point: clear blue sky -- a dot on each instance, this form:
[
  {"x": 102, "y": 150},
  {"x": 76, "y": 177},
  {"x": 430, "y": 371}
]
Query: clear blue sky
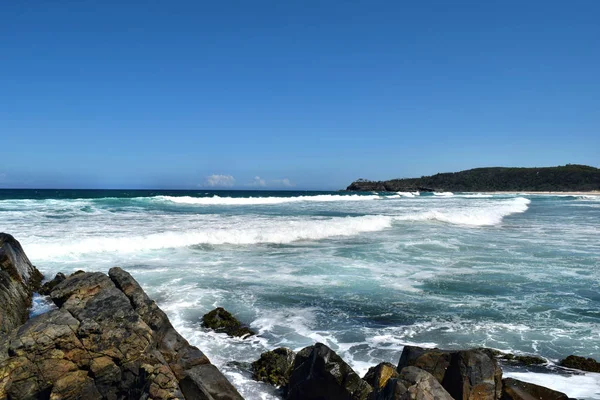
[{"x": 187, "y": 94}]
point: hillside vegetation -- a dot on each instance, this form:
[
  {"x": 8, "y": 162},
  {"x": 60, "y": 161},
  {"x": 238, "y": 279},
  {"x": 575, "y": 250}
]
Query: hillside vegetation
[{"x": 570, "y": 177}]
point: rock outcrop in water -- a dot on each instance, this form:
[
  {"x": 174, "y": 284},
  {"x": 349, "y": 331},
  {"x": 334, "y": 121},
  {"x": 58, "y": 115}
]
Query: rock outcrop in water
[
  {"x": 569, "y": 177},
  {"x": 222, "y": 321},
  {"x": 582, "y": 363},
  {"x": 422, "y": 374},
  {"x": 274, "y": 367},
  {"x": 107, "y": 339}
]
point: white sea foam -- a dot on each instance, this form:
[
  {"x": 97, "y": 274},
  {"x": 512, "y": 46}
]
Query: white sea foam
[
  {"x": 267, "y": 231},
  {"x": 578, "y": 386},
  {"x": 444, "y": 194},
  {"x": 247, "y": 201},
  {"x": 490, "y": 214}
]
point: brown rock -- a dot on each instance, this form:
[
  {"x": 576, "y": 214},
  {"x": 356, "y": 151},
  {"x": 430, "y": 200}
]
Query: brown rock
[
  {"x": 465, "y": 374},
  {"x": 514, "y": 389},
  {"x": 18, "y": 280},
  {"x": 383, "y": 378},
  {"x": 421, "y": 385},
  {"x": 106, "y": 340}
]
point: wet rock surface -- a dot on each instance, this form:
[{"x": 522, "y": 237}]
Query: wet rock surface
[
  {"x": 222, "y": 321},
  {"x": 582, "y": 363},
  {"x": 274, "y": 367}
]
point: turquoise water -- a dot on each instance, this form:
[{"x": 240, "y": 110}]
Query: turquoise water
[{"x": 364, "y": 273}]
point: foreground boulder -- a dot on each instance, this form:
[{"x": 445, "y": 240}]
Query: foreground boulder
[
  {"x": 514, "y": 389},
  {"x": 274, "y": 367},
  {"x": 319, "y": 373},
  {"x": 18, "y": 280},
  {"x": 222, "y": 321},
  {"x": 378, "y": 377},
  {"x": 421, "y": 385},
  {"x": 465, "y": 374},
  {"x": 107, "y": 340},
  {"x": 582, "y": 363}
]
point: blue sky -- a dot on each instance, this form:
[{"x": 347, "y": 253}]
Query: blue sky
[{"x": 301, "y": 94}]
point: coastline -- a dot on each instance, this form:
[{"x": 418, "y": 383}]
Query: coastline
[{"x": 529, "y": 192}]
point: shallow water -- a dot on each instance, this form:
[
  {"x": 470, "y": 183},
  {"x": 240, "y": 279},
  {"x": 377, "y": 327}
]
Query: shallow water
[{"x": 363, "y": 273}]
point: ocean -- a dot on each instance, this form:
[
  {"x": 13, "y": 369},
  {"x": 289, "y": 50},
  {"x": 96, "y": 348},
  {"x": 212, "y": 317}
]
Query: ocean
[{"x": 364, "y": 273}]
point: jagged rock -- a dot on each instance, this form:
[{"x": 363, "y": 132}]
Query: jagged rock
[
  {"x": 378, "y": 377},
  {"x": 319, "y": 373},
  {"x": 434, "y": 361},
  {"x": 514, "y": 389},
  {"x": 274, "y": 367},
  {"x": 465, "y": 374},
  {"x": 221, "y": 320},
  {"x": 205, "y": 382},
  {"x": 50, "y": 285},
  {"x": 107, "y": 340},
  {"x": 18, "y": 280},
  {"x": 421, "y": 385},
  {"x": 582, "y": 363}
]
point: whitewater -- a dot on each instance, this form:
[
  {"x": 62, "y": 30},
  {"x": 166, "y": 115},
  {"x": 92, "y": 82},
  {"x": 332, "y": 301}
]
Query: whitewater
[{"x": 365, "y": 273}]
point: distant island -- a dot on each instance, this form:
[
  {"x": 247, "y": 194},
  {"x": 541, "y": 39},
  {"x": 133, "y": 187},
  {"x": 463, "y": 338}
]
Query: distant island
[{"x": 567, "y": 178}]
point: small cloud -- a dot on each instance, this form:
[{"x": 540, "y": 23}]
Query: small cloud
[
  {"x": 283, "y": 182},
  {"x": 258, "y": 182},
  {"x": 219, "y": 181},
  {"x": 3, "y": 176}
]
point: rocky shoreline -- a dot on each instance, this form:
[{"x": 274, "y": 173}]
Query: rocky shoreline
[{"x": 106, "y": 339}]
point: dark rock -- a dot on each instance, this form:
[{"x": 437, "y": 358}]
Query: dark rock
[
  {"x": 514, "y": 389},
  {"x": 465, "y": 374},
  {"x": 319, "y": 373},
  {"x": 274, "y": 367},
  {"x": 378, "y": 378},
  {"x": 523, "y": 359},
  {"x": 421, "y": 385},
  {"x": 206, "y": 382},
  {"x": 221, "y": 320},
  {"x": 48, "y": 286},
  {"x": 107, "y": 340},
  {"x": 393, "y": 390},
  {"x": 18, "y": 280},
  {"x": 582, "y": 363}
]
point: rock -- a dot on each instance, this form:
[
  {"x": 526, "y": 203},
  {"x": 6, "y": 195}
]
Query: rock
[
  {"x": 206, "y": 382},
  {"x": 514, "y": 389},
  {"x": 434, "y": 361},
  {"x": 107, "y": 340},
  {"x": 378, "y": 378},
  {"x": 274, "y": 367},
  {"x": 221, "y": 320},
  {"x": 18, "y": 280},
  {"x": 523, "y": 359},
  {"x": 48, "y": 286},
  {"x": 421, "y": 385},
  {"x": 465, "y": 374},
  {"x": 582, "y": 363},
  {"x": 319, "y": 373}
]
